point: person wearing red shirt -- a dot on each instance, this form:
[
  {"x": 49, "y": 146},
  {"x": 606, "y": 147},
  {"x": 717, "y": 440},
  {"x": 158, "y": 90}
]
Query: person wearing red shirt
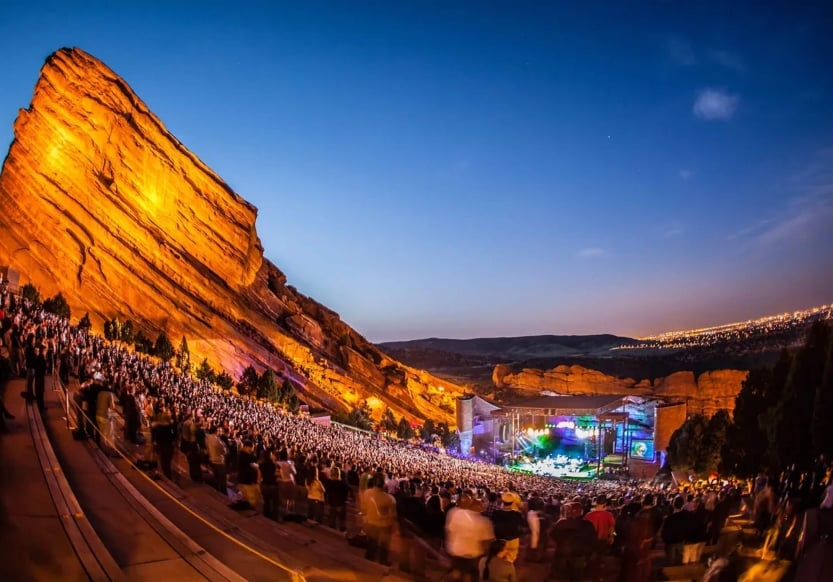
[{"x": 603, "y": 522}]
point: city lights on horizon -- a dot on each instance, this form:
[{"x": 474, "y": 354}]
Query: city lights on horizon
[{"x": 708, "y": 336}]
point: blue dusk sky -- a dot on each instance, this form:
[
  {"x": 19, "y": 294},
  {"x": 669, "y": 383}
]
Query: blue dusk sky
[{"x": 469, "y": 169}]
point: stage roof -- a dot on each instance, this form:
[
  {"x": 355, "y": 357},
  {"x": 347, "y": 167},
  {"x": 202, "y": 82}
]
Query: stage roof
[{"x": 567, "y": 405}]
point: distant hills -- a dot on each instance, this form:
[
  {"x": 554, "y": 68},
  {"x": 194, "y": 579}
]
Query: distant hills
[{"x": 743, "y": 345}]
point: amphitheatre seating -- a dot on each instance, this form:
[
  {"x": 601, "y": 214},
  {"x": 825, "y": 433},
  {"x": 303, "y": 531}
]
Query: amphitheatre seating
[{"x": 689, "y": 572}]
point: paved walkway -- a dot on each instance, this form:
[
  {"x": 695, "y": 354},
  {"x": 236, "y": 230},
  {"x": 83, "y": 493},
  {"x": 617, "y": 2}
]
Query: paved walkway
[{"x": 33, "y": 542}]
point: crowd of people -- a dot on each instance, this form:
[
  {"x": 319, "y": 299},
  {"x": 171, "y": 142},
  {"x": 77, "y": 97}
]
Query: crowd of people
[{"x": 482, "y": 516}]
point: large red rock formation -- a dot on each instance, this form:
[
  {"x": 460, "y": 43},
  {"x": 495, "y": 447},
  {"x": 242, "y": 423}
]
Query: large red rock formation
[
  {"x": 100, "y": 201},
  {"x": 709, "y": 392}
]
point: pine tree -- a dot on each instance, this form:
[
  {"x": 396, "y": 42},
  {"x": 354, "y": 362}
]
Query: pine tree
[
  {"x": 224, "y": 380},
  {"x": 687, "y": 447},
  {"x": 127, "y": 336},
  {"x": 30, "y": 292},
  {"x": 361, "y": 417},
  {"x": 108, "y": 330},
  {"x": 140, "y": 343},
  {"x": 248, "y": 383},
  {"x": 183, "y": 356},
  {"x": 428, "y": 431},
  {"x": 57, "y": 305},
  {"x": 267, "y": 386},
  {"x": 404, "y": 430},
  {"x": 388, "y": 422},
  {"x": 205, "y": 371},
  {"x": 820, "y": 430},
  {"x": 163, "y": 348},
  {"x": 84, "y": 323}
]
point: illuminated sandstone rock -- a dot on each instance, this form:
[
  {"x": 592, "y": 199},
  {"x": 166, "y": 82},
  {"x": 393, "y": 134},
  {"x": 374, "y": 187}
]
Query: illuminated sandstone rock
[
  {"x": 100, "y": 201},
  {"x": 710, "y": 392}
]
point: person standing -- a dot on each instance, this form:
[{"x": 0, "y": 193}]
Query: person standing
[
  {"x": 509, "y": 524},
  {"x": 494, "y": 567},
  {"x": 29, "y": 357},
  {"x": 39, "y": 377},
  {"x": 466, "y": 534},
  {"x": 269, "y": 485},
  {"x": 216, "y": 450},
  {"x": 603, "y": 522},
  {"x": 412, "y": 516},
  {"x": 575, "y": 540},
  {"x": 315, "y": 497},
  {"x": 336, "y": 493},
  {"x": 247, "y": 474},
  {"x": 163, "y": 435},
  {"x": 286, "y": 481},
  {"x": 675, "y": 531},
  {"x": 380, "y": 517},
  {"x": 105, "y": 411}
]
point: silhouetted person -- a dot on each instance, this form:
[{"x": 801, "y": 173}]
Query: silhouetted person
[
  {"x": 40, "y": 377},
  {"x": 29, "y": 357},
  {"x": 163, "y": 434}
]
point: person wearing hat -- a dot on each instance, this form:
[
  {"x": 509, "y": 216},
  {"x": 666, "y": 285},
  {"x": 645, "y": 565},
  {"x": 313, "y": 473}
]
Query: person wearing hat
[{"x": 509, "y": 524}]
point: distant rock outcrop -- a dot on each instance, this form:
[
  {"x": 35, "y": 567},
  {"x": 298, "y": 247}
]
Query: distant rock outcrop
[
  {"x": 710, "y": 392},
  {"x": 100, "y": 201}
]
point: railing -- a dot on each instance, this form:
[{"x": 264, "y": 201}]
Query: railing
[{"x": 196, "y": 550}]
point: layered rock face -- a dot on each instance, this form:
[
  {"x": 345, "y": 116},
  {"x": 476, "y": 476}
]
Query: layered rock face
[
  {"x": 98, "y": 200},
  {"x": 710, "y": 392}
]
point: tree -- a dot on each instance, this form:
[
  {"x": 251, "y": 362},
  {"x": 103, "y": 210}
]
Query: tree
[
  {"x": 428, "y": 431},
  {"x": 388, "y": 422},
  {"x": 451, "y": 441},
  {"x": 267, "y": 386},
  {"x": 205, "y": 371},
  {"x": 224, "y": 380},
  {"x": 404, "y": 430},
  {"x": 789, "y": 423},
  {"x": 109, "y": 330},
  {"x": 361, "y": 417},
  {"x": 292, "y": 402},
  {"x": 714, "y": 442},
  {"x": 140, "y": 343},
  {"x": 248, "y": 383},
  {"x": 57, "y": 305},
  {"x": 183, "y": 356},
  {"x": 84, "y": 323},
  {"x": 127, "y": 334},
  {"x": 823, "y": 408},
  {"x": 746, "y": 443},
  {"x": 30, "y": 292},
  {"x": 687, "y": 447},
  {"x": 164, "y": 349}
]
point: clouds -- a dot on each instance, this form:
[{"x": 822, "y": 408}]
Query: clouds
[
  {"x": 807, "y": 215},
  {"x": 715, "y": 104},
  {"x": 683, "y": 54},
  {"x": 590, "y": 252}
]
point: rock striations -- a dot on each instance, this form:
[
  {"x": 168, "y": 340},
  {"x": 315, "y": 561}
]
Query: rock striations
[
  {"x": 100, "y": 201},
  {"x": 710, "y": 392}
]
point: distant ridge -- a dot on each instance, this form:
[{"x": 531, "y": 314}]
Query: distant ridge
[
  {"x": 523, "y": 347},
  {"x": 742, "y": 346}
]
